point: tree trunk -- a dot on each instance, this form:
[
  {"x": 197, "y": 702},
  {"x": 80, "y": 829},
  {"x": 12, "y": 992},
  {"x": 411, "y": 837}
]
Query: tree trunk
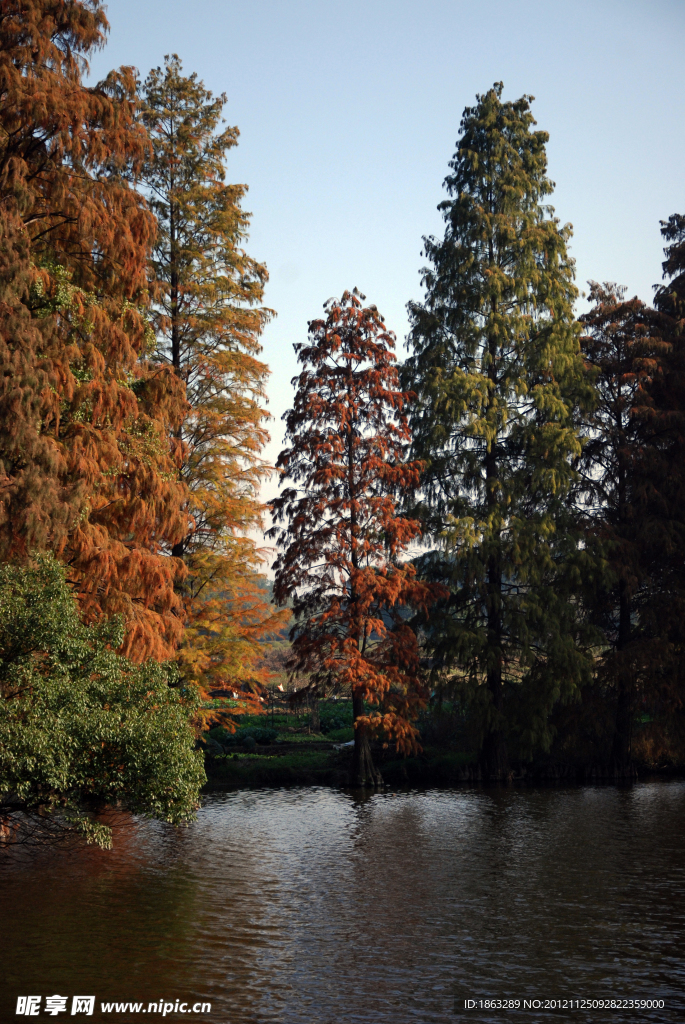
[
  {"x": 314, "y": 718},
  {"x": 621, "y": 749},
  {"x": 364, "y": 772},
  {"x": 494, "y": 758},
  {"x": 620, "y": 753},
  {"x": 178, "y": 550},
  {"x": 622, "y": 735}
]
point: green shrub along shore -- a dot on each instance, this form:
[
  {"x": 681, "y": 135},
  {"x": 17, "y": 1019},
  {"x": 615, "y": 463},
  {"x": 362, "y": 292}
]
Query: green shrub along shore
[{"x": 281, "y": 750}]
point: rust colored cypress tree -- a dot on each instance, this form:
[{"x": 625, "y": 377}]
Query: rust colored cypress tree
[
  {"x": 87, "y": 467},
  {"x": 625, "y": 356},
  {"x": 208, "y": 320},
  {"x": 343, "y": 537},
  {"x": 662, "y": 495}
]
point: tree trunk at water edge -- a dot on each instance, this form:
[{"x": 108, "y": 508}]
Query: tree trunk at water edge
[
  {"x": 621, "y": 748},
  {"x": 364, "y": 772}
]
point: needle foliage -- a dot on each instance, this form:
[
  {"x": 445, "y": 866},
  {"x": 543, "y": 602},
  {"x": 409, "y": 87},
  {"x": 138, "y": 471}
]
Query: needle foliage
[
  {"x": 343, "y": 537},
  {"x": 208, "y": 320},
  {"x": 87, "y": 449},
  {"x": 496, "y": 366}
]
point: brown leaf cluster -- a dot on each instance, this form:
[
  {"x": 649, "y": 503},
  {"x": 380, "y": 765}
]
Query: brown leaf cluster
[
  {"x": 343, "y": 537},
  {"x": 87, "y": 467}
]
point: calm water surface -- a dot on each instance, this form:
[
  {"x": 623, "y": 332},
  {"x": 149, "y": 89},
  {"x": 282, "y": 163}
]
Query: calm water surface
[{"x": 316, "y": 906}]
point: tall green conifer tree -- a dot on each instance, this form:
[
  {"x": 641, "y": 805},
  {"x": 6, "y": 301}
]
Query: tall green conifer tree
[
  {"x": 209, "y": 318},
  {"x": 496, "y": 367}
]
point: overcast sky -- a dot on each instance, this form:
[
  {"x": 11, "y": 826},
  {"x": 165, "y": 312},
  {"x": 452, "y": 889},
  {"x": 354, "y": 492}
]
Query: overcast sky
[{"x": 349, "y": 113}]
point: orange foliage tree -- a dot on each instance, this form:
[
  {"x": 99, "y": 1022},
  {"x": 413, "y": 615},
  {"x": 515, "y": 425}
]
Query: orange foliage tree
[
  {"x": 626, "y": 358},
  {"x": 342, "y": 536},
  {"x": 88, "y": 461},
  {"x": 208, "y": 320}
]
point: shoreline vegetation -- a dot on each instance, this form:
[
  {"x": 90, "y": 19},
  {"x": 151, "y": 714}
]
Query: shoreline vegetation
[
  {"x": 433, "y": 768},
  {"x": 286, "y": 752}
]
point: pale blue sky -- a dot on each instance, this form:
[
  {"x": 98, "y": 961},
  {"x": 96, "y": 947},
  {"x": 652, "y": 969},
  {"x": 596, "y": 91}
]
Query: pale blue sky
[{"x": 349, "y": 113}]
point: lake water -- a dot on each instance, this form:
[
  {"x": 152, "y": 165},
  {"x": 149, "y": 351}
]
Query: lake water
[{"x": 313, "y": 905}]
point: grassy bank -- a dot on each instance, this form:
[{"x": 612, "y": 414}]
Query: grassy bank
[
  {"x": 308, "y": 762},
  {"x": 281, "y": 750},
  {"x": 301, "y": 768}
]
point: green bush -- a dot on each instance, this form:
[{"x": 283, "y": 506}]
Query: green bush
[
  {"x": 80, "y": 726},
  {"x": 341, "y": 735},
  {"x": 220, "y": 734},
  {"x": 260, "y": 734},
  {"x": 335, "y": 716}
]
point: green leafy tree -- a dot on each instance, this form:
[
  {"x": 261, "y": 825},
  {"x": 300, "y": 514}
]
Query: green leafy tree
[
  {"x": 208, "y": 319},
  {"x": 496, "y": 366},
  {"x": 80, "y": 726}
]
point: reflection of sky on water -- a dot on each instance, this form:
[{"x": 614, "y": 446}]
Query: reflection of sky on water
[{"x": 311, "y": 905}]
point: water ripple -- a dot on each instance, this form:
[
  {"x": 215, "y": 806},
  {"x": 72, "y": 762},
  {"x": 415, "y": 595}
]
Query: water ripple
[{"x": 313, "y": 905}]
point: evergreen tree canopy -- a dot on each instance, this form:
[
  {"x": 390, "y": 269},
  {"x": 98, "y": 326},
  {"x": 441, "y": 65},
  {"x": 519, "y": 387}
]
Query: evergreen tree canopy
[
  {"x": 208, "y": 321},
  {"x": 670, "y": 297},
  {"x": 496, "y": 366}
]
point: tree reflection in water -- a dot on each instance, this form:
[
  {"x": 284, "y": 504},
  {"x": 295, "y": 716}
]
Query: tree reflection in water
[{"x": 315, "y": 905}]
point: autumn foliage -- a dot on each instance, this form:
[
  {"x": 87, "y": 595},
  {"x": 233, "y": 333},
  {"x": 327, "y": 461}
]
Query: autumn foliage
[
  {"x": 342, "y": 536},
  {"x": 625, "y": 356},
  {"x": 87, "y": 458},
  {"x": 208, "y": 319},
  {"x": 662, "y": 485}
]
